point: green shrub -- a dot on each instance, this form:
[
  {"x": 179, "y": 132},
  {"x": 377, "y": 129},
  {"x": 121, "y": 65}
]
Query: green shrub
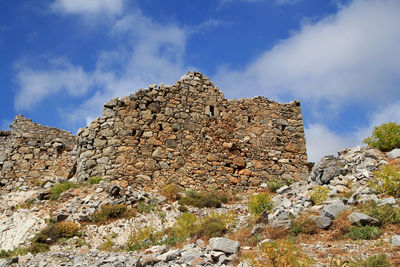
[
  {"x": 387, "y": 180},
  {"x": 363, "y": 232},
  {"x": 304, "y": 226},
  {"x": 260, "y": 202},
  {"x": 319, "y": 194},
  {"x": 275, "y": 184},
  {"x": 142, "y": 239},
  {"x": 203, "y": 200},
  {"x": 66, "y": 229},
  {"x": 107, "y": 245},
  {"x": 183, "y": 208},
  {"x": 171, "y": 191},
  {"x": 280, "y": 253},
  {"x": 95, "y": 180},
  {"x": 211, "y": 227},
  {"x": 144, "y": 207},
  {"x": 372, "y": 261},
  {"x": 386, "y": 214},
  {"x": 109, "y": 211},
  {"x": 59, "y": 188},
  {"x": 385, "y": 137}
]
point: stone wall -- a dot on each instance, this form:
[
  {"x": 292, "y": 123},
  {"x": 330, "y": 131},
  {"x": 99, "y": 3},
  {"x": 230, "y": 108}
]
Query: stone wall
[
  {"x": 189, "y": 134},
  {"x": 31, "y": 152}
]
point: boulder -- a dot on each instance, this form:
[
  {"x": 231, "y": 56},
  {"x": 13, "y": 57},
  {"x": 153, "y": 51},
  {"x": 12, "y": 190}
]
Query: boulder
[
  {"x": 321, "y": 221},
  {"x": 333, "y": 210},
  {"x": 224, "y": 244},
  {"x": 395, "y": 153},
  {"x": 396, "y": 240},
  {"x": 363, "y": 219}
]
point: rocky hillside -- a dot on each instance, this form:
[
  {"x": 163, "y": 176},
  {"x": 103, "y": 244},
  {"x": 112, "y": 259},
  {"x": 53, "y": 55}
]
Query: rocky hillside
[{"x": 339, "y": 215}]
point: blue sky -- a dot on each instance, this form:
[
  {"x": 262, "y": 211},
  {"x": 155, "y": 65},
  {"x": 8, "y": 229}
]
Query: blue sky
[{"x": 62, "y": 59}]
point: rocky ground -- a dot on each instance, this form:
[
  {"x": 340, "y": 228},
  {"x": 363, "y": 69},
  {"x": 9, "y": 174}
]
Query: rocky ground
[{"x": 25, "y": 212}]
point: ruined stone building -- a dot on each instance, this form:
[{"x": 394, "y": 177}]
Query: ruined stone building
[{"x": 187, "y": 133}]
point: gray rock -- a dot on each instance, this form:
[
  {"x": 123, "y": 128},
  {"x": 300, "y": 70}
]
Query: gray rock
[
  {"x": 396, "y": 240},
  {"x": 361, "y": 218},
  {"x": 388, "y": 201},
  {"x": 170, "y": 255},
  {"x": 283, "y": 189},
  {"x": 395, "y": 153},
  {"x": 321, "y": 221},
  {"x": 190, "y": 254},
  {"x": 224, "y": 244},
  {"x": 333, "y": 210},
  {"x": 112, "y": 103}
]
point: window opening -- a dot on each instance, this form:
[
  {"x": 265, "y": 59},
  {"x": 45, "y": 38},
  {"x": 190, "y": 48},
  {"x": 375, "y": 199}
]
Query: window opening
[{"x": 211, "y": 111}]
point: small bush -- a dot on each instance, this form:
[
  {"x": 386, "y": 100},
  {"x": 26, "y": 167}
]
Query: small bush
[
  {"x": 363, "y": 232},
  {"x": 275, "y": 184},
  {"x": 386, "y": 214},
  {"x": 144, "y": 207},
  {"x": 304, "y": 226},
  {"x": 59, "y": 188},
  {"x": 171, "y": 191},
  {"x": 18, "y": 251},
  {"x": 66, "y": 229},
  {"x": 211, "y": 227},
  {"x": 260, "y": 202},
  {"x": 387, "y": 180},
  {"x": 372, "y": 261},
  {"x": 107, "y": 245},
  {"x": 142, "y": 239},
  {"x": 203, "y": 200},
  {"x": 319, "y": 194},
  {"x": 109, "y": 211},
  {"x": 385, "y": 137},
  {"x": 95, "y": 180},
  {"x": 280, "y": 253},
  {"x": 183, "y": 208}
]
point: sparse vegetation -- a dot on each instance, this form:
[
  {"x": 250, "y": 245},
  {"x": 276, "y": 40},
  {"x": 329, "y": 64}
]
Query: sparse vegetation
[
  {"x": 144, "y": 207},
  {"x": 363, "y": 232},
  {"x": 107, "y": 245},
  {"x": 372, "y": 261},
  {"x": 59, "y": 188},
  {"x": 275, "y": 184},
  {"x": 385, "y": 137},
  {"x": 386, "y": 214},
  {"x": 171, "y": 191},
  {"x": 279, "y": 253},
  {"x": 260, "y": 202},
  {"x": 66, "y": 229},
  {"x": 319, "y": 194},
  {"x": 95, "y": 180},
  {"x": 109, "y": 211},
  {"x": 203, "y": 199},
  {"x": 304, "y": 226},
  {"x": 387, "y": 180}
]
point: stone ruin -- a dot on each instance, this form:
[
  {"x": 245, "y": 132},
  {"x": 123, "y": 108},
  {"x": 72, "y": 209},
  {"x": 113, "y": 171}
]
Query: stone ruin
[
  {"x": 31, "y": 153},
  {"x": 187, "y": 134}
]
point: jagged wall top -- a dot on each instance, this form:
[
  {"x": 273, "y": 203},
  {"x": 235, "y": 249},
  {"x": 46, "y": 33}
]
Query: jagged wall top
[{"x": 188, "y": 133}]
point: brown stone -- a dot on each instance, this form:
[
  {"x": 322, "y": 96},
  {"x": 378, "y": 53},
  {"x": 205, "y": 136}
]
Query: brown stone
[{"x": 239, "y": 162}]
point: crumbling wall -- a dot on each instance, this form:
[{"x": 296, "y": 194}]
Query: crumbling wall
[
  {"x": 31, "y": 152},
  {"x": 189, "y": 134}
]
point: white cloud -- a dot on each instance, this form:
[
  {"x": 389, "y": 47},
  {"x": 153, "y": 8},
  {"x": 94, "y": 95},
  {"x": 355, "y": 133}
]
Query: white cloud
[
  {"x": 147, "y": 53},
  {"x": 89, "y": 7},
  {"x": 36, "y": 84},
  {"x": 350, "y": 56},
  {"x": 322, "y": 141}
]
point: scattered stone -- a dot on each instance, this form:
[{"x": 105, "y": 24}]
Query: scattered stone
[
  {"x": 224, "y": 244},
  {"x": 363, "y": 219},
  {"x": 333, "y": 210},
  {"x": 395, "y": 153},
  {"x": 396, "y": 240}
]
